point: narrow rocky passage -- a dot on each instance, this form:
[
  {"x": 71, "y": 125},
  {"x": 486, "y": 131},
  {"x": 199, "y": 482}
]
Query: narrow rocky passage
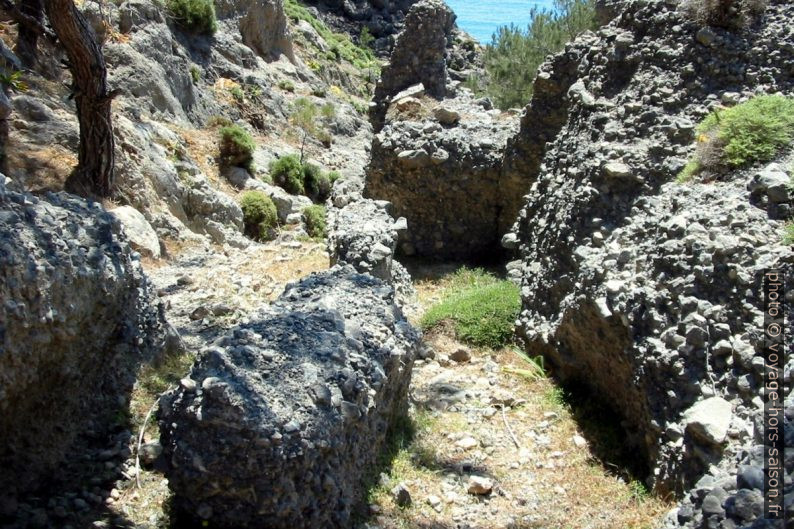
[
  {"x": 494, "y": 443},
  {"x": 490, "y": 442}
]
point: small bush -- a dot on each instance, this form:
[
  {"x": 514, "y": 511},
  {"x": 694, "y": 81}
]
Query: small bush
[
  {"x": 753, "y": 131},
  {"x": 724, "y": 13},
  {"x": 237, "y": 93},
  {"x": 333, "y": 176},
  {"x": 287, "y": 85},
  {"x": 314, "y": 219},
  {"x": 482, "y": 308},
  {"x": 788, "y": 233},
  {"x": 197, "y": 16},
  {"x": 287, "y": 173},
  {"x": 237, "y": 147},
  {"x": 259, "y": 215},
  {"x": 195, "y": 73},
  {"x": 219, "y": 121},
  {"x": 316, "y": 183}
]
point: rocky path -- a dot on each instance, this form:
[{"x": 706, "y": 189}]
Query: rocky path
[
  {"x": 485, "y": 448},
  {"x": 495, "y": 449}
]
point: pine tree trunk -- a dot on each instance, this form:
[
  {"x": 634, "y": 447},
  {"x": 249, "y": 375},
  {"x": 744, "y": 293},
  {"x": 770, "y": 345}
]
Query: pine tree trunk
[
  {"x": 93, "y": 176},
  {"x": 5, "y": 114}
]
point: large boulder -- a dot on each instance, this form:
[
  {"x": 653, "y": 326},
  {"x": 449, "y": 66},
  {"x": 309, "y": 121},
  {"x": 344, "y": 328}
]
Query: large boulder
[
  {"x": 418, "y": 56},
  {"x": 363, "y": 233},
  {"x": 280, "y": 420},
  {"x": 77, "y": 319},
  {"x": 262, "y": 24},
  {"x": 140, "y": 233},
  {"x": 443, "y": 173}
]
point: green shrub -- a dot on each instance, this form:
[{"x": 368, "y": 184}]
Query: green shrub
[
  {"x": 482, "y": 309},
  {"x": 788, "y": 233},
  {"x": 237, "y": 93},
  {"x": 287, "y": 85},
  {"x": 333, "y": 176},
  {"x": 316, "y": 183},
  {"x": 365, "y": 38},
  {"x": 287, "y": 173},
  {"x": 259, "y": 215},
  {"x": 754, "y": 131},
  {"x": 197, "y": 16},
  {"x": 514, "y": 55},
  {"x": 195, "y": 73},
  {"x": 219, "y": 121},
  {"x": 340, "y": 44},
  {"x": 237, "y": 147},
  {"x": 724, "y": 13},
  {"x": 314, "y": 219}
]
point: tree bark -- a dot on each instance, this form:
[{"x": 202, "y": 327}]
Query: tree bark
[
  {"x": 5, "y": 114},
  {"x": 93, "y": 176}
]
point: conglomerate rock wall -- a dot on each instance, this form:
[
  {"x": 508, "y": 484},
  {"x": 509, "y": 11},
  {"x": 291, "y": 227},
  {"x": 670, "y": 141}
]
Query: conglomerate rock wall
[
  {"x": 644, "y": 289},
  {"x": 77, "y": 319}
]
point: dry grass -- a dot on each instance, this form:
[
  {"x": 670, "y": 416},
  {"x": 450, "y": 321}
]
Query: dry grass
[
  {"x": 549, "y": 481},
  {"x": 41, "y": 168}
]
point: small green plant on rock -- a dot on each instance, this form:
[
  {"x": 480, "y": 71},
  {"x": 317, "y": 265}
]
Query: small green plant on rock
[
  {"x": 14, "y": 81},
  {"x": 237, "y": 93},
  {"x": 287, "y": 173},
  {"x": 481, "y": 307},
  {"x": 365, "y": 38},
  {"x": 731, "y": 14},
  {"x": 195, "y": 73},
  {"x": 260, "y": 216},
  {"x": 314, "y": 220},
  {"x": 316, "y": 184},
  {"x": 197, "y": 16},
  {"x": 788, "y": 233},
  {"x": 237, "y": 147},
  {"x": 754, "y": 131},
  {"x": 311, "y": 120},
  {"x": 286, "y": 85}
]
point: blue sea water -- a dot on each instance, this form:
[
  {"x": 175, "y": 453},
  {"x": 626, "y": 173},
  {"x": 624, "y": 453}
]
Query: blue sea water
[{"x": 480, "y": 18}]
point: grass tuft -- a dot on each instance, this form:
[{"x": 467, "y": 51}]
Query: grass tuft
[
  {"x": 260, "y": 216},
  {"x": 482, "y": 308},
  {"x": 197, "y": 16},
  {"x": 314, "y": 219},
  {"x": 788, "y": 233},
  {"x": 754, "y": 131},
  {"x": 535, "y": 366}
]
